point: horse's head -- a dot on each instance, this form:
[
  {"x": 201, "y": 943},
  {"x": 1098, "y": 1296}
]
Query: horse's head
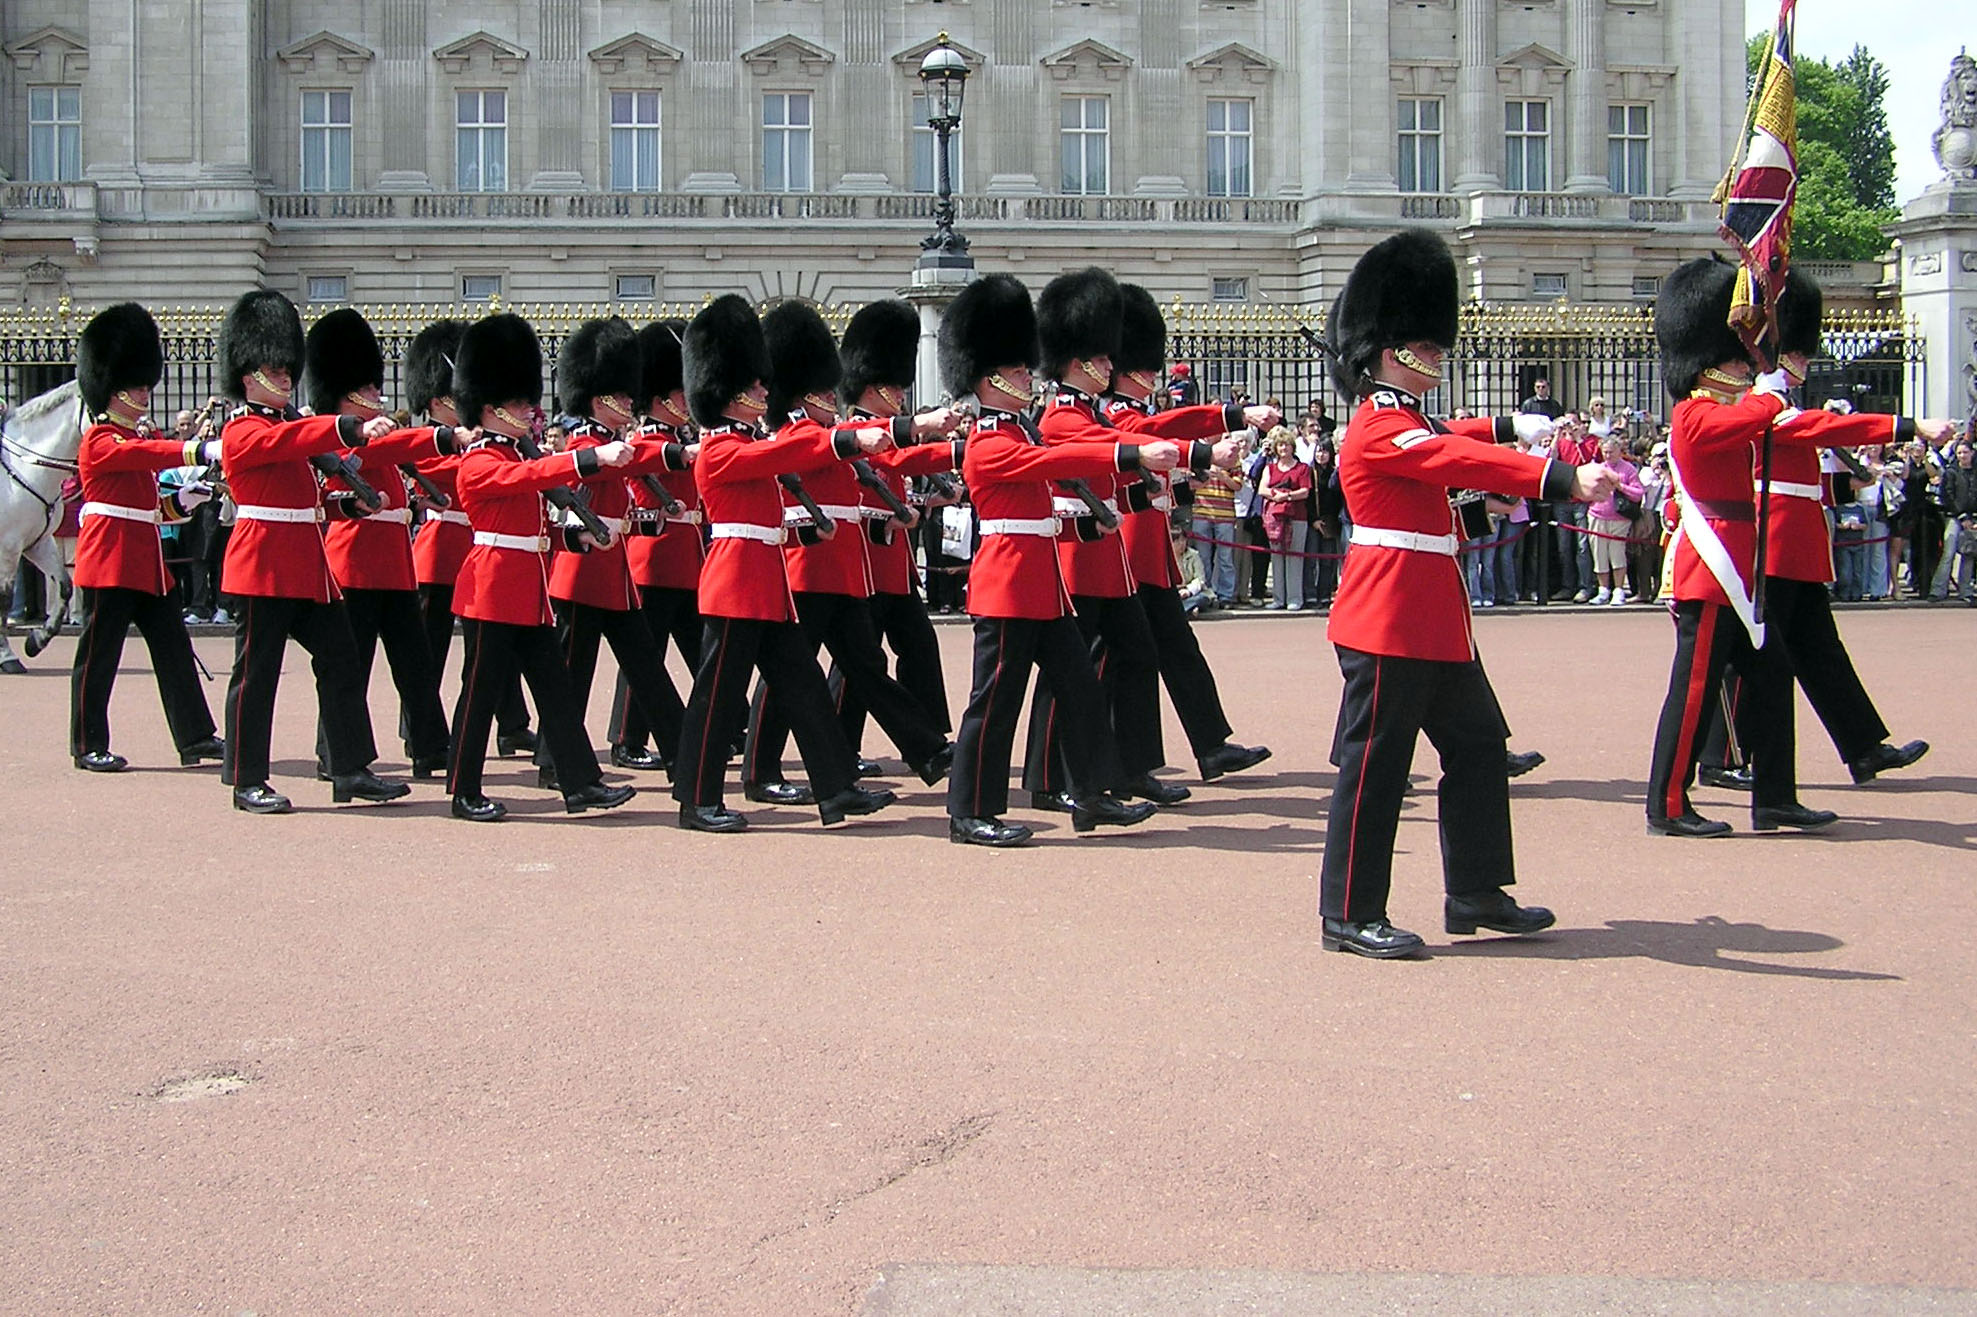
[{"x": 49, "y": 424}]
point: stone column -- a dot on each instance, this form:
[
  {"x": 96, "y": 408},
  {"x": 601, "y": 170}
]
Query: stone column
[
  {"x": 1709, "y": 88},
  {"x": 560, "y": 106},
  {"x": 1938, "y": 236},
  {"x": 1478, "y": 111},
  {"x": 1370, "y": 166},
  {"x": 404, "y": 66},
  {"x": 1585, "y": 127}
]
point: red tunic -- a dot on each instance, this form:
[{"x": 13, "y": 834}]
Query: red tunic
[
  {"x": 1712, "y": 448},
  {"x": 602, "y": 577},
  {"x": 502, "y": 495},
  {"x": 266, "y": 460},
  {"x": 1801, "y": 545},
  {"x": 1095, "y": 568},
  {"x": 1149, "y": 547},
  {"x": 374, "y": 551},
  {"x": 441, "y": 541},
  {"x": 121, "y": 469},
  {"x": 669, "y": 560},
  {"x": 1008, "y": 470},
  {"x": 736, "y": 472},
  {"x": 891, "y": 549},
  {"x": 1396, "y": 469}
]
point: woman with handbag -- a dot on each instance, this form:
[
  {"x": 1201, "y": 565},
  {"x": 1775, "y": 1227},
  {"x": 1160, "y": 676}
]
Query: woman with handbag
[{"x": 1612, "y": 524}]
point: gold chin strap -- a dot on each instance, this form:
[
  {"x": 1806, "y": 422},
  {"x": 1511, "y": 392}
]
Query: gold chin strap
[
  {"x": 1405, "y": 356},
  {"x": 503, "y": 414},
  {"x": 1010, "y": 389},
  {"x": 893, "y": 398},
  {"x": 270, "y": 385}
]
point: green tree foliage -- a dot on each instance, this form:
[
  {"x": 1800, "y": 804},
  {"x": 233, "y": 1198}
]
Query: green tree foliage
[{"x": 1846, "y": 155}]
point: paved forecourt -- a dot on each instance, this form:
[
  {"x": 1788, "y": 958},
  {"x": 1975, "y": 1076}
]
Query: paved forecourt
[{"x": 376, "y": 1057}]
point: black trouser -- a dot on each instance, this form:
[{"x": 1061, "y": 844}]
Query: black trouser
[
  {"x": 670, "y": 613},
  {"x": 107, "y": 615},
  {"x": 1707, "y": 636},
  {"x": 639, "y": 664},
  {"x": 1190, "y": 683},
  {"x": 1388, "y": 701},
  {"x": 1121, "y": 646},
  {"x": 497, "y": 654},
  {"x": 395, "y": 617},
  {"x": 260, "y": 639},
  {"x": 901, "y": 621},
  {"x": 842, "y": 624},
  {"x": 1006, "y": 648},
  {"x": 436, "y": 606},
  {"x": 731, "y": 649}
]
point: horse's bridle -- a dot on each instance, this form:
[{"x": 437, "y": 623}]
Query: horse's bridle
[{"x": 50, "y": 508}]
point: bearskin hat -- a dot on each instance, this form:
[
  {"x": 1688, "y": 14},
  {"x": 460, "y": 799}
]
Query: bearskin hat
[
  {"x": 1801, "y": 308},
  {"x": 599, "y": 357},
  {"x": 659, "y": 359},
  {"x": 990, "y": 324},
  {"x": 1142, "y": 333},
  {"x": 881, "y": 346},
  {"x": 429, "y": 363},
  {"x": 261, "y": 329},
  {"x": 1078, "y": 317},
  {"x": 118, "y": 349},
  {"x": 499, "y": 360},
  {"x": 1691, "y": 323},
  {"x": 802, "y": 357},
  {"x": 1404, "y": 290},
  {"x": 342, "y": 356},
  {"x": 723, "y": 354}
]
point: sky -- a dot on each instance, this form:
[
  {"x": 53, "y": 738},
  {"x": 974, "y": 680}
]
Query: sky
[{"x": 1915, "y": 39}]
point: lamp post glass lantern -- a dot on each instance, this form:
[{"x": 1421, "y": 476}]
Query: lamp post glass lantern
[{"x": 945, "y": 75}]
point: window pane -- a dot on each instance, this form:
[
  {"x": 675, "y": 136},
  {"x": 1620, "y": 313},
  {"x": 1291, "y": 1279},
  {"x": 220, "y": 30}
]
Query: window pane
[
  {"x": 339, "y": 160},
  {"x": 1407, "y": 171},
  {"x": 1072, "y": 171},
  {"x": 636, "y": 287},
  {"x": 1431, "y": 116},
  {"x": 494, "y": 107},
  {"x": 495, "y": 166},
  {"x": 312, "y": 160},
  {"x": 799, "y": 162},
  {"x": 1534, "y": 112},
  {"x": 1616, "y": 164},
  {"x": 1095, "y": 182},
  {"x": 1537, "y": 169},
  {"x": 1070, "y": 113},
  {"x": 41, "y": 104},
  {"x": 1095, "y": 111},
  {"x": 621, "y": 107},
  {"x": 339, "y": 107},
  {"x": 1218, "y": 116},
  {"x": 1218, "y": 167},
  {"x": 623, "y": 175},
  {"x": 1404, "y": 115},
  {"x": 68, "y": 103},
  {"x": 648, "y": 160},
  {"x": 313, "y": 108},
  {"x": 1513, "y": 116},
  {"x": 466, "y": 107},
  {"x": 467, "y": 177},
  {"x": 1637, "y": 120},
  {"x": 1616, "y": 119},
  {"x": 773, "y": 177},
  {"x": 1431, "y": 165}
]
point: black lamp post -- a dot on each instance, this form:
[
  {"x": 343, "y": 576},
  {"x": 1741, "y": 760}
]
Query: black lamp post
[{"x": 945, "y": 76}]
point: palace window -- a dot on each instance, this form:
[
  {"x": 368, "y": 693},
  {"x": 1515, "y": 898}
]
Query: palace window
[
  {"x": 1419, "y": 168},
  {"x": 54, "y": 134},
  {"x": 926, "y": 166},
  {"x": 1627, "y": 149},
  {"x": 325, "y": 141},
  {"x": 480, "y": 138},
  {"x": 1527, "y": 146},
  {"x": 786, "y": 125},
  {"x": 634, "y": 141},
  {"x": 1085, "y": 142},
  {"x": 1229, "y": 148}
]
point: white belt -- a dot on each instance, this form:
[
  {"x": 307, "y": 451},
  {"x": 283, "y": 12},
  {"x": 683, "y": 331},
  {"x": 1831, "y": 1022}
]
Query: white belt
[
  {"x": 449, "y": 517},
  {"x": 1020, "y": 526},
  {"x": 525, "y": 543},
  {"x": 402, "y": 516},
  {"x": 148, "y": 515},
  {"x": 800, "y": 515},
  {"x": 691, "y": 517},
  {"x": 254, "y": 512},
  {"x": 1161, "y": 503},
  {"x": 1075, "y": 507},
  {"x": 1813, "y": 492},
  {"x": 571, "y": 521},
  {"x": 1404, "y": 539},
  {"x": 874, "y": 514},
  {"x": 748, "y": 530}
]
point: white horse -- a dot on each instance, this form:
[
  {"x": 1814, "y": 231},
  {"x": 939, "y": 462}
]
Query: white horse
[{"x": 38, "y": 447}]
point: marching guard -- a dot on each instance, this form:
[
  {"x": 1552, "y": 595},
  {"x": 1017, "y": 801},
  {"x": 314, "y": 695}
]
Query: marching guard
[
  {"x": 444, "y": 533},
  {"x": 1718, "y": 427},
  {"x": 663, "y": 546},
  {"x": 744, "y": 584},
  {"x": 1016, "y": 590},
  {"x": 120, "y": 559},
  {"x": 1136, "y": 371},
  {"x": 1400, "y": 622},
  {"x": 597, "y": 379},
  {"x": 276, "y": 564},
  {"x": 879, "y": 350},
  {"x": 370, "y": 553},
  {"x": 502, "y": 595},
  {"x": 830, "y": 576}
]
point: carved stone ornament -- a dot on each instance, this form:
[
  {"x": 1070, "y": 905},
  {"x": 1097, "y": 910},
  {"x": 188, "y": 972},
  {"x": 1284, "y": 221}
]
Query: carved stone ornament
[{"x": 1956, "y": 140}]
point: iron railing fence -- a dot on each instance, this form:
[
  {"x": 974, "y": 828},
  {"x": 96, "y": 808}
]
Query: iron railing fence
[{"x": 1875, "y": 359}]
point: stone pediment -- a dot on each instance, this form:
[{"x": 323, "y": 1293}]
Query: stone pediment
[
  {"x": 1087, "y": 58},
  {"x": 909, "y": 58},
  {"x": 1233, "y": 62},
  {"x": 1534, "y": 56},
  {"x": 51, "y": 52},
  {"x": 787, "y": 53},
  {"x": 457, "y": 56},
  {"x": 321, "y": 50},
  {"x": 637, "y": 52}
]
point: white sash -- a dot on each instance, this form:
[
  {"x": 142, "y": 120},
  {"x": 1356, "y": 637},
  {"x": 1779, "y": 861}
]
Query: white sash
[{"x": 1710, "y": 548}]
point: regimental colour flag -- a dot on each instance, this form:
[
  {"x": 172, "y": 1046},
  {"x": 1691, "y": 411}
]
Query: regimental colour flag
[{"x": 1758, "y": 191}]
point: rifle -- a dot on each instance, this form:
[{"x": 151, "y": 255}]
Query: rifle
[
  {"x": 1081, "y": 488},
  {"x": 869, "y": 477},
  {"x": 561, "y": 497},
  {"x": 671, "y": 506},
  {"x": 345, "y": 467},
  {"x": 818, "y": 517},
  {"x": 432, "y": 493}
]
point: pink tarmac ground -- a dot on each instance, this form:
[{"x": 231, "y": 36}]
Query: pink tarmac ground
[{"x": 372, "y": 1059}]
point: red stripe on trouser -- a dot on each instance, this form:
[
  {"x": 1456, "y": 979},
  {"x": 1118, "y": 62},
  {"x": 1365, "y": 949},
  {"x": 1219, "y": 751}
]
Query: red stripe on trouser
[
  {"x": 995, "y": 683},
  {"x": 1359, "y": 791},
  {"x": 467, "y": 703},
  {"x": 707, "y": 732},
  {"x": 1675, "y": 800},
  {"x": 240, "y": 693}
]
